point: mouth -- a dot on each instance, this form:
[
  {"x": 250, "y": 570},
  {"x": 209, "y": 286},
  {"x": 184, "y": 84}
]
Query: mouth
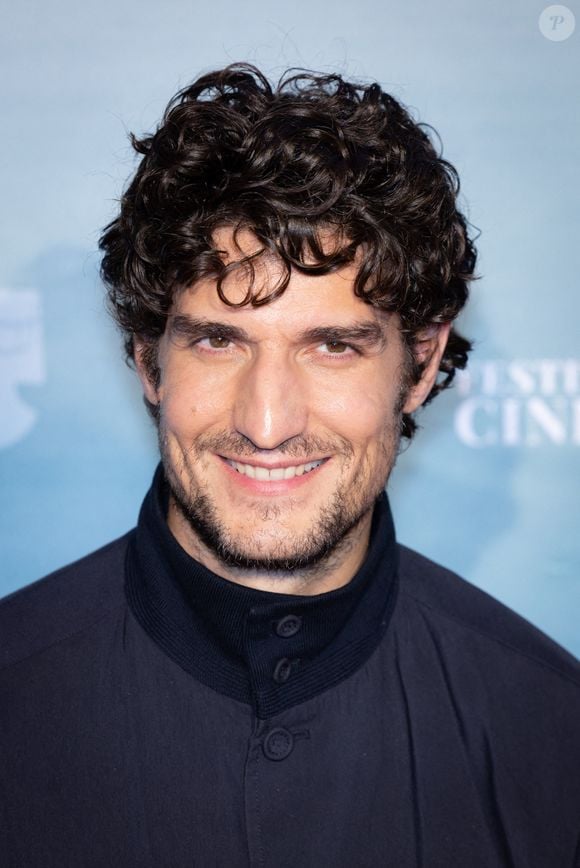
[{"x": 273, "y": 474}]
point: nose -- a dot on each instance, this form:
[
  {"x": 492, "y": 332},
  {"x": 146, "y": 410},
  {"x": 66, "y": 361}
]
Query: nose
[{"x": 271, "y": 401}]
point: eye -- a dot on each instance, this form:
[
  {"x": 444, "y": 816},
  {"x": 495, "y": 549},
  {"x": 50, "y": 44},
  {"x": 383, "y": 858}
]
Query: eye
[
  {"x": 216, "y": 342},
  {"x": 337, "y": 348}
]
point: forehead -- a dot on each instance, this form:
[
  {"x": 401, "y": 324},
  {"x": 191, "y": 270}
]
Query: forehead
[{"x": 308, "y": 299}]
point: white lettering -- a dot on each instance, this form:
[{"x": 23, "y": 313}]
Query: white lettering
[
  {"x": 468, "y": 418},
  {"x": 547, "y": 420},
  {"x": 489, "y": 378},
  {"x": 571, "y": 376},
  {"x": 521, "y": 378},
  {"x": 511, "y": 413},
  {"x": 519, "y": 402},
  {"x": 548, "y": 371}
]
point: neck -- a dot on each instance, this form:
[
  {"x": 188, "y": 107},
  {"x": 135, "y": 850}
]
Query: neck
[{"x": 333, "y": 571}]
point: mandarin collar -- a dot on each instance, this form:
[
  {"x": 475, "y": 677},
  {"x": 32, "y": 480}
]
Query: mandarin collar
[{"x": 271, "y": 650}]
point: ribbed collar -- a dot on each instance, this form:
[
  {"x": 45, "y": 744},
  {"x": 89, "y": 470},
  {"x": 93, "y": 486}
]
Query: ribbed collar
[{"x": 270, "y": 650}]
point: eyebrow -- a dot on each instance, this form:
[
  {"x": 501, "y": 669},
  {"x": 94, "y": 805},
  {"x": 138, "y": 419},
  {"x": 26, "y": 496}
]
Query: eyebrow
[
  {"x": 367, "y": 333},
  {"x": 191, "y": 328}
]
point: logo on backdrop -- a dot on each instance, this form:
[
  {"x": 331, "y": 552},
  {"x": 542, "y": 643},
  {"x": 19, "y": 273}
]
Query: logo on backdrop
[
  {"x": 21, "y": 360},
  {"x": 519, "y": 403},
  {"x": 557, "y": 23}
]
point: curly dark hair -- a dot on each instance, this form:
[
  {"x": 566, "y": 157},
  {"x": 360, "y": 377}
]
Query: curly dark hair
[{"x": 291, "y": 162}]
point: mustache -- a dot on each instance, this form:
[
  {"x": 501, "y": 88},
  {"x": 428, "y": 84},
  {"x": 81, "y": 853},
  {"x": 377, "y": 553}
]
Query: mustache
[{"x": 301, "y": 446}]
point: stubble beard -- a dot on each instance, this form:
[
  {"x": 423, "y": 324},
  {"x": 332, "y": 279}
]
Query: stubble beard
[{"x": 316, "y": 551}]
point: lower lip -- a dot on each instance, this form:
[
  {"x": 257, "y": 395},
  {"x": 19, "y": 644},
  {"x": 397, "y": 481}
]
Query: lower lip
[{"x": 275, "y": 487}]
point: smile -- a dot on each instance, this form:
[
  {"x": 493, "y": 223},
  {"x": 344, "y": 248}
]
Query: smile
[{"x": 275, "y": 474}]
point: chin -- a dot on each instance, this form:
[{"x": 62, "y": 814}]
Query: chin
[{"x": 267, "y": 546}]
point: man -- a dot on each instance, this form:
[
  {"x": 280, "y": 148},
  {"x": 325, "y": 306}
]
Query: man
[{"x": 258, "y": 675}]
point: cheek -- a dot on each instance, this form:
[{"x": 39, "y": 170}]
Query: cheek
[
  {"x": 190, "y": 403},
  {"x": 364, "y": 415}
]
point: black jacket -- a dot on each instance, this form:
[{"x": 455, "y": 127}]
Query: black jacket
[{"x": 153, "y": 715}]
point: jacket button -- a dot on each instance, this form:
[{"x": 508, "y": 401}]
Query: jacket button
[
  {"x": 282, "y": 670},
  {"x": 288, "y": 626},
  {"x": 278, "y": 744}
]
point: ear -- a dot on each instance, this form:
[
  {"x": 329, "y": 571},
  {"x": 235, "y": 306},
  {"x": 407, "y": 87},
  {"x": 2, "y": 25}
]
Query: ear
[
  {"x": 428, "y": 348},
  {"x": 145, "y": 355}
]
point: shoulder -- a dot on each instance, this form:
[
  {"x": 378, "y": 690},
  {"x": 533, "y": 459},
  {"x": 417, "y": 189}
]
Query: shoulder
[
  {"x": 63, "y": 603},
  {"x": 463, "y": 613}
]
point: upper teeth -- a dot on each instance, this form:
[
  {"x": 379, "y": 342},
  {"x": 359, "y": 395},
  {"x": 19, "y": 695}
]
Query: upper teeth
[{"x": 262, "y": 473}]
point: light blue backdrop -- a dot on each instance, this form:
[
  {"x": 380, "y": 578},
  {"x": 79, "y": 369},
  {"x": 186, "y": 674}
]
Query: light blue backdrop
[{"x": 490, "y": 487}]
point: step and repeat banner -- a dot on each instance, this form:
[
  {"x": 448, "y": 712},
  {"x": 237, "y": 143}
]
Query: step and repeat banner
[{"x": 490, "y": 486}]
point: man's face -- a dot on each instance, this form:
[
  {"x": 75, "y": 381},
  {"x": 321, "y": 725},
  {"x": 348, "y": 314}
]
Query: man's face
[{"x": 279, "y": 425}]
